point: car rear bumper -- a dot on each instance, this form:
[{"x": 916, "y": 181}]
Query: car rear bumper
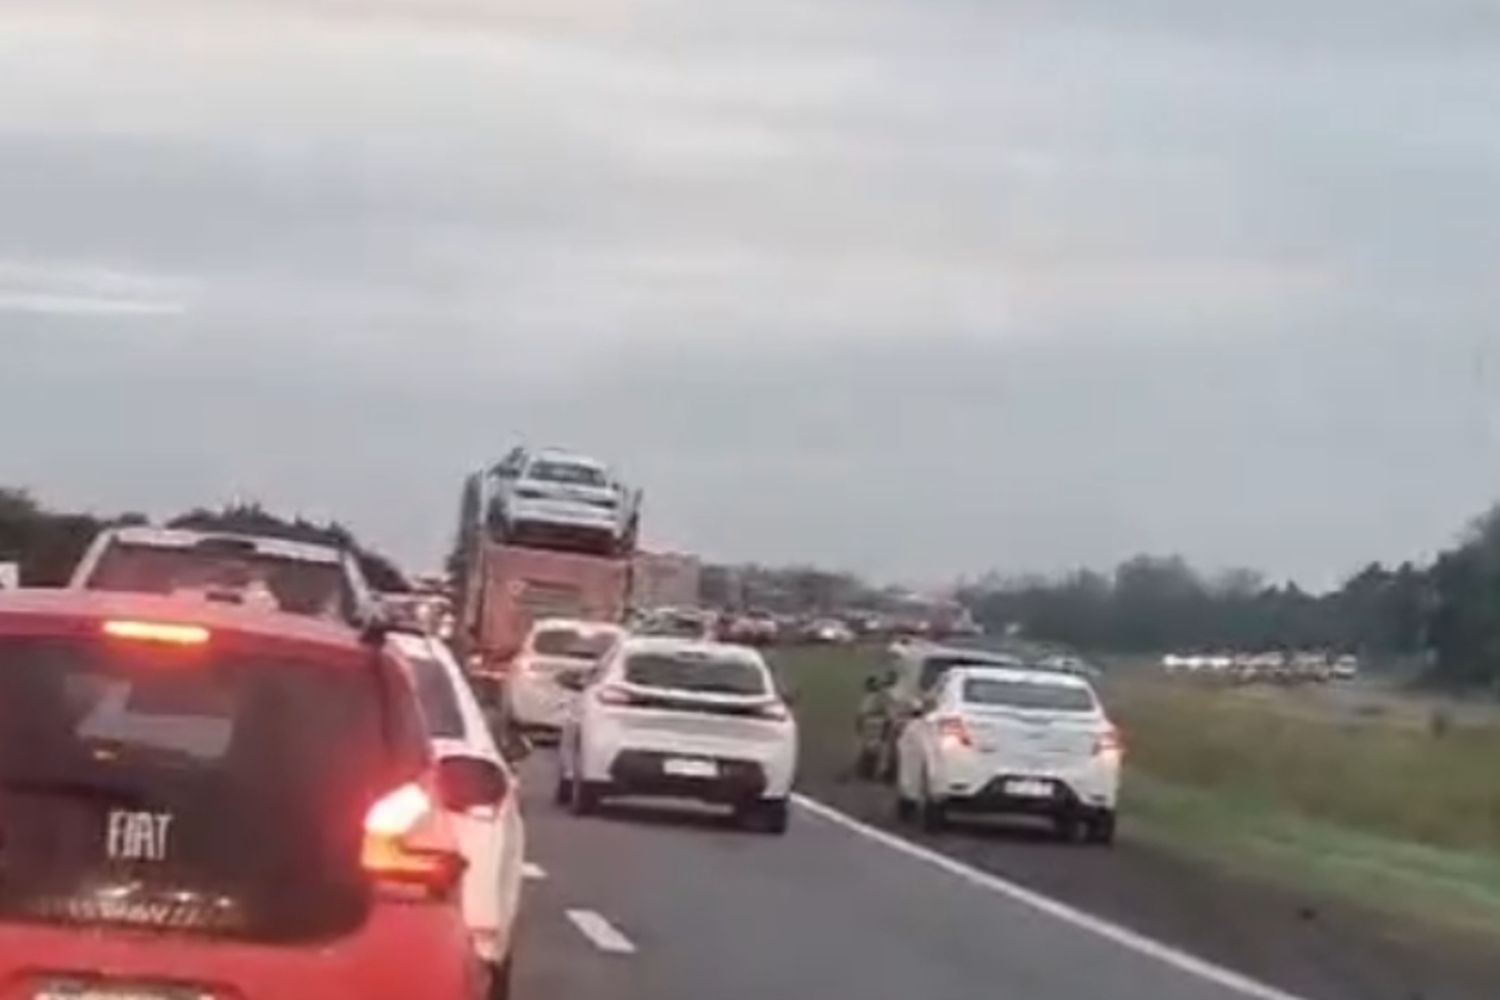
[
  {"x": 633, "y": 762},
  {"x": 578, "y": 516},
  {"x": 644, "y": 772},
  {"x": 995, "y": 798},
  {"x": 403, "y": 952},
  {"x": 978, "y": 785}
]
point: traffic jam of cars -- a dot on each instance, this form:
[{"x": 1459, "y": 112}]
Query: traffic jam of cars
[{"x": 231, "y": 769}]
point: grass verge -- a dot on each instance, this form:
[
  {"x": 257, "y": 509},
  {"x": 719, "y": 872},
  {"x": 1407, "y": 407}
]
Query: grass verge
[{"x": 1395, "y": 820}]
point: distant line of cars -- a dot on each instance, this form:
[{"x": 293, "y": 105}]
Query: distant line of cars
[{"x": 1272, "y": 667}]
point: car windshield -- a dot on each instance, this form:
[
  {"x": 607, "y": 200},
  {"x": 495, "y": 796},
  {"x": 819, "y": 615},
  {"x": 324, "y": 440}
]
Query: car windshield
[
  {"x": 291, "y": 585},
  {"x": 569, "y": 473},
  {"x": 572, "y": 644},
  {"x": 687, "y": 672},
  {"x": 245, "y": 763},
  {"x": 1027, "y": 694}
]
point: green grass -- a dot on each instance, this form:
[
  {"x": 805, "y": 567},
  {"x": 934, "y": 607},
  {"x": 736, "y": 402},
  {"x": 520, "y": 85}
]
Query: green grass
[
  {"x": 1384, "y": 814},
  {"x": 1367, "y": 773}
]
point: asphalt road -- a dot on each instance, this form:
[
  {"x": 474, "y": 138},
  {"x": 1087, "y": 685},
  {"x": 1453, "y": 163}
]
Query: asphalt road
[{"x": 659, "y": 904}]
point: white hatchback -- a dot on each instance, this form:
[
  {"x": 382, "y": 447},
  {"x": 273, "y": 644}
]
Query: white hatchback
[
  {"x": 537, "y": 693},
  {"x": 1006, "y": 740},
  {"x": 480, "y": 783},
  {"x": 686, "y": 719}
]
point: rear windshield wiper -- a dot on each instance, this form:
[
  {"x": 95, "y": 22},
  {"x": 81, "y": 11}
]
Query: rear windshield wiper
[{"x": 74, "y": 789}]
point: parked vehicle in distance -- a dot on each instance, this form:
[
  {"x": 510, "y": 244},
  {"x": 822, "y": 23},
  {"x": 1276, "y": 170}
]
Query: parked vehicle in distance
[
  {"x": 1345, "y": 668},
  {"x": 753, "y": 628},
  {"x": 235, "y": 803},
  {"x": 537, "y": 696},
  {"x": 480, "y": 793},
  {"x": 266, "y": 574},
  {"x": 682, "y": 719},
  {"x": 559, "y": 499},
  {"x": 829, "y": 632},
  {"x": 998, "y": 740},
  {"x": 678, "y": 623}
]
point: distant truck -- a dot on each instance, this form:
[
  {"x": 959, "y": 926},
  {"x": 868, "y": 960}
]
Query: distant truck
[{"x": 507, "y": 587}]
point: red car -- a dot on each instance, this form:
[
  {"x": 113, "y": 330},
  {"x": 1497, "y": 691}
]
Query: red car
[{"x": 198, "y": 802}]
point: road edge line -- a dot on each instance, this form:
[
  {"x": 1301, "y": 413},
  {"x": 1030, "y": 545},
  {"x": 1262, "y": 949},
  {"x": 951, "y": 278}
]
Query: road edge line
[{"x": 1117, "y": 933}]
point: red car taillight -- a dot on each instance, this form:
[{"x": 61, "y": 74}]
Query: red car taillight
[
  {"x": 1109, "y": 742},
  {"x": 409, "y": 846},
  {"x": 951, "y": 730}
]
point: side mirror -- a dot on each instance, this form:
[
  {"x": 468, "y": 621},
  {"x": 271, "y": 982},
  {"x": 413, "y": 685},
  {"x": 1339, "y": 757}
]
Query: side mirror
[
  {"x": 573, "y": 680},
  {"x": 873, "y": 684},
  {"x": 465, "y": 783},
  {"x": 926, "y": 704}
]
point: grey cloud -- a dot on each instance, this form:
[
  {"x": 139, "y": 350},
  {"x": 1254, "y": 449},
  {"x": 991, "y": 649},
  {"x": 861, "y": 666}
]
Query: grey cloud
[{"x": 967, "y": 284}]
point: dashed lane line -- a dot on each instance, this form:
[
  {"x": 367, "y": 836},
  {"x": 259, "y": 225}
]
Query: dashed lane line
[{"x": 601, "y": 933}]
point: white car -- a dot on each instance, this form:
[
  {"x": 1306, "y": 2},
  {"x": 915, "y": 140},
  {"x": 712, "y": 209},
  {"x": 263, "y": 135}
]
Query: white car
[
  {"x": 830, "y": 631},
  {"x": 484, "y": 801},
  {"x": 681, "y": 719},
  {"x": 224, "y": 567},
  {"x": 1003, "y": 740},
  {"x": 535, "y": 701},
  {"x": 553, "y": 497}
]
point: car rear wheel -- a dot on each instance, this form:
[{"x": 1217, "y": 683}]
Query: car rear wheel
[
  {"x": 769, "y": 816},
  {"x": 906, "y": 809},
  {"x": 500, "y": 980},
  {"x": 585, "y": 796},
  {"x": 1066, "y": 827},
  {"x": 1101, "y": 829},
  {"x": 934, "y": 814}
]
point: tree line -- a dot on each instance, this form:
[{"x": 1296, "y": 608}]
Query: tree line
[
  {"x": 47, "y": 544},
  {"x": 1444, "y": 615}
]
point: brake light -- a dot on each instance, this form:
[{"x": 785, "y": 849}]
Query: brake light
[
  {"x": 177, "y": 635},
  {"x": 1109, "y": 742},
  {"x": 408, "y": 844},
  {"x": 612, "y": 695},
  {"x": 953, "y": 732}
]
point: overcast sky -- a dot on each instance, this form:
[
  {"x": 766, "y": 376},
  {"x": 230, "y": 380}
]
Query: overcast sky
[{"x": 913, "y": 287}]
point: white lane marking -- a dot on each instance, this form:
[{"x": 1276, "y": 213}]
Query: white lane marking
[
  {"x": 533, "y": 871},
  {"x": 601, "y": 932},
  {"x": 1062, "y": 911}
]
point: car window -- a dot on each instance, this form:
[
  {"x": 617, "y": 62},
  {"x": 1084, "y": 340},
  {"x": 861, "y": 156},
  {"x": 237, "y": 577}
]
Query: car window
[
  {"x": 242, "y": 776},
  {"x": 569, "y": 473},
  {"x": 290, "y": 585},
  {"x": 1027, "y": 694},
  {"x": 934, "y": 668},
  {"x": 572, "y": 644},
  {"x": 435, "y": 695},
  {"x": 695, "y": 673}
]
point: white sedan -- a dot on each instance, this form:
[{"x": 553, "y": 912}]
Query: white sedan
[
  {"x": 537, "y": 698},
  {"x": 481, "y": 793},
  {"x": 685, "y": 719},
  {"x": 1004, "y": 740},
  {"x": 552, "y": 497}
]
